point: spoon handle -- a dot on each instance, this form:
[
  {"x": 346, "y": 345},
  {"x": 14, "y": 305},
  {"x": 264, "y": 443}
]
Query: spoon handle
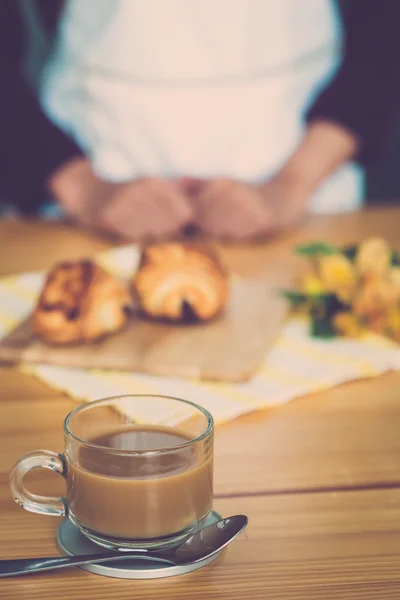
[{"x": 24, "y": 566}]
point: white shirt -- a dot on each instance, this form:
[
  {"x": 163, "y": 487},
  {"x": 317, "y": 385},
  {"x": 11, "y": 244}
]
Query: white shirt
[{"x": 192, "y": 87}]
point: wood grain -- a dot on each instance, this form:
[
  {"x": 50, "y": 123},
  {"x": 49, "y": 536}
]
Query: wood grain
[
  {"x": 35, "y": 245},
  {"x": 32, "y": 246},
  {"x": 313, "y": 546},
  {"x": 347, "y": 437}
]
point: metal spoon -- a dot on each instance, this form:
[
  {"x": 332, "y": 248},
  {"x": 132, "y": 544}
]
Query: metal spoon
[{"x": 199, "y": 546}]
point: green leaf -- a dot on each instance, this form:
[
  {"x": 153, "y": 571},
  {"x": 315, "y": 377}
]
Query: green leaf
[
  {"x": 321, "y": 326},
  {"x": 326, "y": 301},
  {"x": 395, "y": 259},
  {"x": 315, "y": 249},
  {"x": 322, "y": 315},
  {"x": 295, "y": 298}
]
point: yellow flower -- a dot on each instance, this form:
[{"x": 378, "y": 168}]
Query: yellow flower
[
  {"x": 378, "y": 324},
  {"x": 393, "y": 322},
  {"x": 376, "y": 297},
  {"x": 337, "y": 273},
  {"x": 347, "y": 324},
  {"x": 373, "y": 256},
  {"x": 394, "y": 278},
  {"x": 311, "y": 284}
]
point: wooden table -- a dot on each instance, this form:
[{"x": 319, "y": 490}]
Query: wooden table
[{"x": 319, "y": 477}]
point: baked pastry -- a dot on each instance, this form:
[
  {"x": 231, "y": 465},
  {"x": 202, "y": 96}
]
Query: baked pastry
[
  {"x": 180, "y": 282},
  {"x": 80, "y": 302}
]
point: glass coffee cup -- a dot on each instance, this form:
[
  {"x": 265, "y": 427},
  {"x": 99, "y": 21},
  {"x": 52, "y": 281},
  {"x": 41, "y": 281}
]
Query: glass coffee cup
[{"x": 139, "y": 471}]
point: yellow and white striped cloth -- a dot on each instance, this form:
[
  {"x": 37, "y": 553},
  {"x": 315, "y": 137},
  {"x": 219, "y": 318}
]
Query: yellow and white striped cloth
[{"x": 296, "y": 365}]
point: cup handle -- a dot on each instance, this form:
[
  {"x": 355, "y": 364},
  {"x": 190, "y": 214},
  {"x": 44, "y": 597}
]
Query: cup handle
[{"x": 44, "y": 505}]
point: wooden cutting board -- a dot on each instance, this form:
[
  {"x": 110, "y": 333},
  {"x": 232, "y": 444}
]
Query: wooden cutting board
[{"x": 229, "y": 348}]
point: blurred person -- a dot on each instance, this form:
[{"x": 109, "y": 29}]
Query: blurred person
[{"x": 238, "y": 116}]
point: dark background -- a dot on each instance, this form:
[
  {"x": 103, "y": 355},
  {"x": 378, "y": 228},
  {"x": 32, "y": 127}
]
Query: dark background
[{"x": 383, "y": 180}]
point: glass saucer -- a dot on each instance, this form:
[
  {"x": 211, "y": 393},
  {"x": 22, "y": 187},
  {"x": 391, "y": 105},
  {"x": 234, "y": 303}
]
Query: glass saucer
[{"x": 70, "y": 542}]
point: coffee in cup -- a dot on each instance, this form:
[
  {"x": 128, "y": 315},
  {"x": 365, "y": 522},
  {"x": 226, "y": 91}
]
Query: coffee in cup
[{"x": 139, "y": 471}]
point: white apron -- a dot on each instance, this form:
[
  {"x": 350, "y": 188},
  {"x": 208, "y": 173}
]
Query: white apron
[{"x": 196, "y": 88}]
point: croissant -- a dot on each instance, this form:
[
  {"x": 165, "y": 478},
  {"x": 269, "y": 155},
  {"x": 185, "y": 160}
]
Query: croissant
[
  {"x": 80, "y": 302},
  {"x": 180, "y": 282}
]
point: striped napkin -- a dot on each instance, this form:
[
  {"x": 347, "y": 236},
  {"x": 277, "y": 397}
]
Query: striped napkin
[{"x": 296, "y": 365}]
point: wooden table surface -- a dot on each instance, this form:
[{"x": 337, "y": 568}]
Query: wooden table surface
[{"x": 319, "y": 477}]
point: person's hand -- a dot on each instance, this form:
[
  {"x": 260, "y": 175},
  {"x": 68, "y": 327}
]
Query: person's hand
[
  {"x": 241, "y": 212},
  {"x": 237, "y": 211},
  {"x": 231, "y": 210},
  {"x": 147, "y": 209}
]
